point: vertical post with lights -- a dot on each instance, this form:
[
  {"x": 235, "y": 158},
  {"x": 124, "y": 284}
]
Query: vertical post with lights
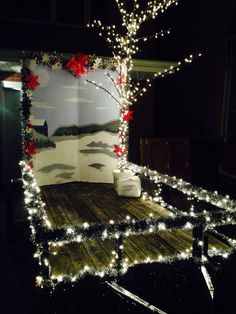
[
  {"x": 197, "y": 235},
  {"x": 45, "y": 268},
  {"x": 118, "y": 250}
]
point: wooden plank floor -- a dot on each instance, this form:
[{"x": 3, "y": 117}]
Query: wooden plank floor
[{"x": 74, "y": 203}]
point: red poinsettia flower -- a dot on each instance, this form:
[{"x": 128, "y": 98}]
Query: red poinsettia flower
[
  {"x": 119, "y": 151},
  {"x": 71, "y": 64},
  {"x": 82, "y": 58},
  {"x": 79, "y": 70},
  {"x": 121, "y": 80},
  {"x": 127, "y": 115},
  {"x": 30, "y": 148},
  {"x": 75, "y": 67},
  {"x": 32, "y": 81}
]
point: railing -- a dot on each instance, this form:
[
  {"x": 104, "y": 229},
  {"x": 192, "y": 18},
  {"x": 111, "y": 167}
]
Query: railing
[{"x": 206, "y": 211}]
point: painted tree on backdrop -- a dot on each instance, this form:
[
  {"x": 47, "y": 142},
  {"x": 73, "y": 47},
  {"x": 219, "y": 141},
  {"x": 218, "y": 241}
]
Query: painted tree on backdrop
[{"x": 124, "y": 45}]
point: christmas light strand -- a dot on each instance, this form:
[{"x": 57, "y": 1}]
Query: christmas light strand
[
  {"x": 110, "y": 272},
  {"x": 214, "y": 198},
  {"x": 157, "y": 35},
  {"x": 173, "y": 69}
]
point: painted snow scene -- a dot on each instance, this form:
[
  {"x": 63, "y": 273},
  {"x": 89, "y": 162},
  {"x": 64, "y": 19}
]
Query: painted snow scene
[{"x": 75, "y": 127}]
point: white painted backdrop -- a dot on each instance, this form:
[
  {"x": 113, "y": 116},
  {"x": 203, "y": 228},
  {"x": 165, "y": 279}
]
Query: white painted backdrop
[{"x": 82, "y": 124}]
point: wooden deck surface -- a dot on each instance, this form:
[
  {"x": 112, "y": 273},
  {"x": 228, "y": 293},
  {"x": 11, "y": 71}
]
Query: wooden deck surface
[{"x": 74, "y": 203}]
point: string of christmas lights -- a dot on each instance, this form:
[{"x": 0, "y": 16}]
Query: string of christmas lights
[
  {"x": 124, "y": 45},
  {"x": 187, "y": 188}
]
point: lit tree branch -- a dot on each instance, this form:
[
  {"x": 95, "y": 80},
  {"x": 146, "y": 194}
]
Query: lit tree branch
[
  {"x": 114, "y": 83},
  {"x": 162, "y": 33},
  {"x": 173, "y": 69},
  {"x": 104, "y": 89},
  {"x": 124, "y": 46}
]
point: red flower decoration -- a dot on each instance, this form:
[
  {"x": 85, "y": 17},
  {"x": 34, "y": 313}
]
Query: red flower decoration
[
  {"x": 75, "y": 67},
  {"x": 80, "y": 70},
  {"x": 32, "y": 81},
  {"x": 119, "y": 151},
  {"x": 127, "y": 115},
  {"x": 82, "y": 58},
  {"x": 121, "y": 80},
  {"x": 30, "y": 148},
  {"x": 30, "y": 164}
]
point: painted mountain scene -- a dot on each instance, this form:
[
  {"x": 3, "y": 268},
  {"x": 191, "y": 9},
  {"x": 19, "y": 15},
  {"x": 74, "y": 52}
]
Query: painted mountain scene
[{"x": 75, "y": 127}]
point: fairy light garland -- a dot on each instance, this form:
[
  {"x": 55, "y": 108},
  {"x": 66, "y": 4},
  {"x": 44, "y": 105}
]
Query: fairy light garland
[
  {"x": 228, "y": 240},
  {"x": 108, "y": 272},
  {"x": 132, "y": 227},
  {"x": 33, "y": 201},
  {"x": 187, "y": 188},
  {"x": 157, "y": 35}
]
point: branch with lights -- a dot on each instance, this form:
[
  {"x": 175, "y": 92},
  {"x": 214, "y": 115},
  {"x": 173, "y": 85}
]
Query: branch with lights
[{"x": 124, "y": 45}]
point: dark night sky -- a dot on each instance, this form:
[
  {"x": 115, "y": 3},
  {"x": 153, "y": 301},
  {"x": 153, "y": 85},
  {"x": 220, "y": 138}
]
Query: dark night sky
[{"x": 195, "y": 24}]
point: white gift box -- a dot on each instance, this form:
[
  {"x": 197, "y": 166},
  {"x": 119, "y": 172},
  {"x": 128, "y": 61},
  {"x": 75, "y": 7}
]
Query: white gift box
[
  {"x": 129, "y": 187},
  {"x": 121, "y": 174}
]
